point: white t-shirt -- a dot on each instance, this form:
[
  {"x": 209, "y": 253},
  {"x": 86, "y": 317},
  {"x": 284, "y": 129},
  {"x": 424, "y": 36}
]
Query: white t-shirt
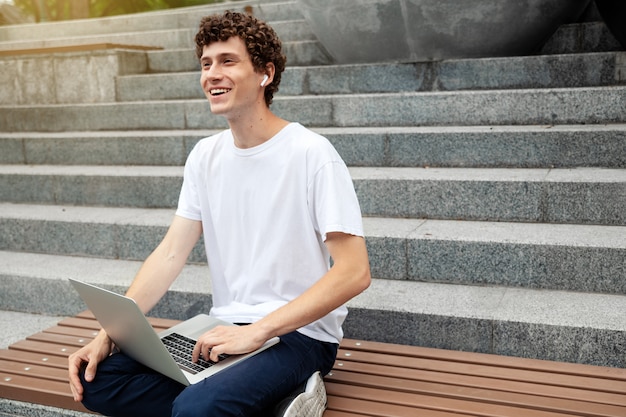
[{"x": 265, "y": 213}]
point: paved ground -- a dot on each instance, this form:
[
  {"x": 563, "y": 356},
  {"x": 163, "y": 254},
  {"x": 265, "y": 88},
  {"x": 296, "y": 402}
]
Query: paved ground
[{"x": 16, "y": 326}]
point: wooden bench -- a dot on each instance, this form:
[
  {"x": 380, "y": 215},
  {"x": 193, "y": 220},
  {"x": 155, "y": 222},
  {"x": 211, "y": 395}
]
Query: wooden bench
[{"x": 369, "y": 379}]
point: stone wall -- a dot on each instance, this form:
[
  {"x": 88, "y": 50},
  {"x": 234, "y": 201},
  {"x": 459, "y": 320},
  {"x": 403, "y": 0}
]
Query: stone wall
[{"x": 64, "y": 78}]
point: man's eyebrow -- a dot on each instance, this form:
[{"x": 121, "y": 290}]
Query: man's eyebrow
[{"x": 221, "y": 56}]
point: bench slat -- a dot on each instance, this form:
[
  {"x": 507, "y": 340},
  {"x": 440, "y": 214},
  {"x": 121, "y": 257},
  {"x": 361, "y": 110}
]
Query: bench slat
[
  {"x": 33, "y": 358},
  {"x": 28, "y": 389},
  {"x": 492, "y": 396},
  {"x": 92, "y": 324},
  {"x": 335, "y": 413},
  {"x": 72, "y": 331},
  {"x": 491, "y": 371},
  {"x": 30, "y": 370},
  {"x": 378, "y": 409},
  {"x": 154, "y": 321},
  {"x": 59, "y": 339},
  {"x": 579, "y": 393},
  {"x": 485, "y": 358},
  {"x": 438, "y": 403},
  {"x": 48, "y": 349},
  {"x": 81, "y": 323}
]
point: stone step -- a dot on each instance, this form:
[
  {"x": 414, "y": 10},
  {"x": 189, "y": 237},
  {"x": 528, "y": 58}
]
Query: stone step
[
  {"x": 298, "y": 53},
  {"x": 178, "y": 18},
  {"x": 16, "y": 325},
  {"x": 576, "y": 38},
  {"x": 580, "y": 196},
  {"x": 71, "y": 74},
  {"x": 591, "y": 105},
  {"x": 48, "y": 274},
  {"x": 557, "y": 325},
  {"x": 560, "y": 71},
  {"x": 11, "y": 408},
  {"x": 111, "y": 186},
  {"x": 531, "y": 255},
  {"x": 456, "y": 146},
  {"x": 289, "y": 31},
  {"x": 122, "y": 75},
  {"x": 168, "y": 39},
  {"x": 549, "y": 256}
]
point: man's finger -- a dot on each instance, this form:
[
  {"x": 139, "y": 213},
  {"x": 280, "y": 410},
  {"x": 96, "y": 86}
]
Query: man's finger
[
  {"x": 75, "y": 383},
  {"x": 90, "y": 371},
  {"x": 216, "y": 352}
]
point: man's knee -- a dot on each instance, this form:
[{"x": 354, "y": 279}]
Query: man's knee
[
  {"x": 195, "y": 401},
  {"x": 188, "y": 404},
  {"x": 91, "y": 399},
  {"x": 123, "y": 387}
]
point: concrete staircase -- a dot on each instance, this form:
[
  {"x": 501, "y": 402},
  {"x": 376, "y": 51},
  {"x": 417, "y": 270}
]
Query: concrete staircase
[{"x": 494, "y": 190}]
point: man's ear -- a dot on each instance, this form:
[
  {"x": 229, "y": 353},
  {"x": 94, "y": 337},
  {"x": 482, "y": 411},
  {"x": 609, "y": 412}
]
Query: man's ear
[{"x": 268, "y": 75}]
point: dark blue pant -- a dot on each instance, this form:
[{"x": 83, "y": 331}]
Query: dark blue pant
[{"x": 123, "y": 387}]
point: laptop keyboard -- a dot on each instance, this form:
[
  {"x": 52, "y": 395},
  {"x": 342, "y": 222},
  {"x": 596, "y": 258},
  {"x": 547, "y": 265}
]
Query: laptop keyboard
[{"x": 181, "y": 349}]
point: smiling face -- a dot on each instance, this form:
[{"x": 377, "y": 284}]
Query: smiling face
[
  {"x": 229, "y": 79},
  {"x": 261, "y": 42}
]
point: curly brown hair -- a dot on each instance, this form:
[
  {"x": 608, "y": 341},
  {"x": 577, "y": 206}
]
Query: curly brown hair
[{"x": 261, "y": 41}]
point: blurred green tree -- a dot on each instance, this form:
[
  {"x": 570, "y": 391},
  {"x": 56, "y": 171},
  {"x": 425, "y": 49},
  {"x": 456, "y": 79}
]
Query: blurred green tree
[{"x": 51, "y": 10}]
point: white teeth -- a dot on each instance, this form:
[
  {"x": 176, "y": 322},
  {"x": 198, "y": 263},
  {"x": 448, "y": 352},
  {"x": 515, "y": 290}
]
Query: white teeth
[{"x": 219, "y": 91}]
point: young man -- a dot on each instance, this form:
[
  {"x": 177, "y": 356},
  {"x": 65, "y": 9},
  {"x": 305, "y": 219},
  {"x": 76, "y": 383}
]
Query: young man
[{"x": 275, "y": 202}]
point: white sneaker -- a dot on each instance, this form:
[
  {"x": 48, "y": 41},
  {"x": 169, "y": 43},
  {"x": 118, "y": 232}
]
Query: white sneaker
[{"x": 307, "y": 401}]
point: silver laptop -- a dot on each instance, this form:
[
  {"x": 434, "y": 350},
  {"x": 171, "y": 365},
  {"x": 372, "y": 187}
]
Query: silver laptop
[{"x": 167, "y": 352}]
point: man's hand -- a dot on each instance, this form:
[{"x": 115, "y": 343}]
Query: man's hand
[
  {"x": 91, "y": 354},
  {"x": 233, "y": 340}
]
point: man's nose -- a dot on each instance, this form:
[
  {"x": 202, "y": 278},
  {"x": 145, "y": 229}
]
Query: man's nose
[{"x": 213, "y": 73}]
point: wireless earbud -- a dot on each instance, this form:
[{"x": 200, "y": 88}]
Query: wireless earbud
[{"x": 265, "y": 78}]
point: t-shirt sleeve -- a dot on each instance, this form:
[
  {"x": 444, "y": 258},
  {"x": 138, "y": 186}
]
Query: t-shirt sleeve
[
  {"x": 335, "y": 207},
  {"x": 189, "y": 199}
]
